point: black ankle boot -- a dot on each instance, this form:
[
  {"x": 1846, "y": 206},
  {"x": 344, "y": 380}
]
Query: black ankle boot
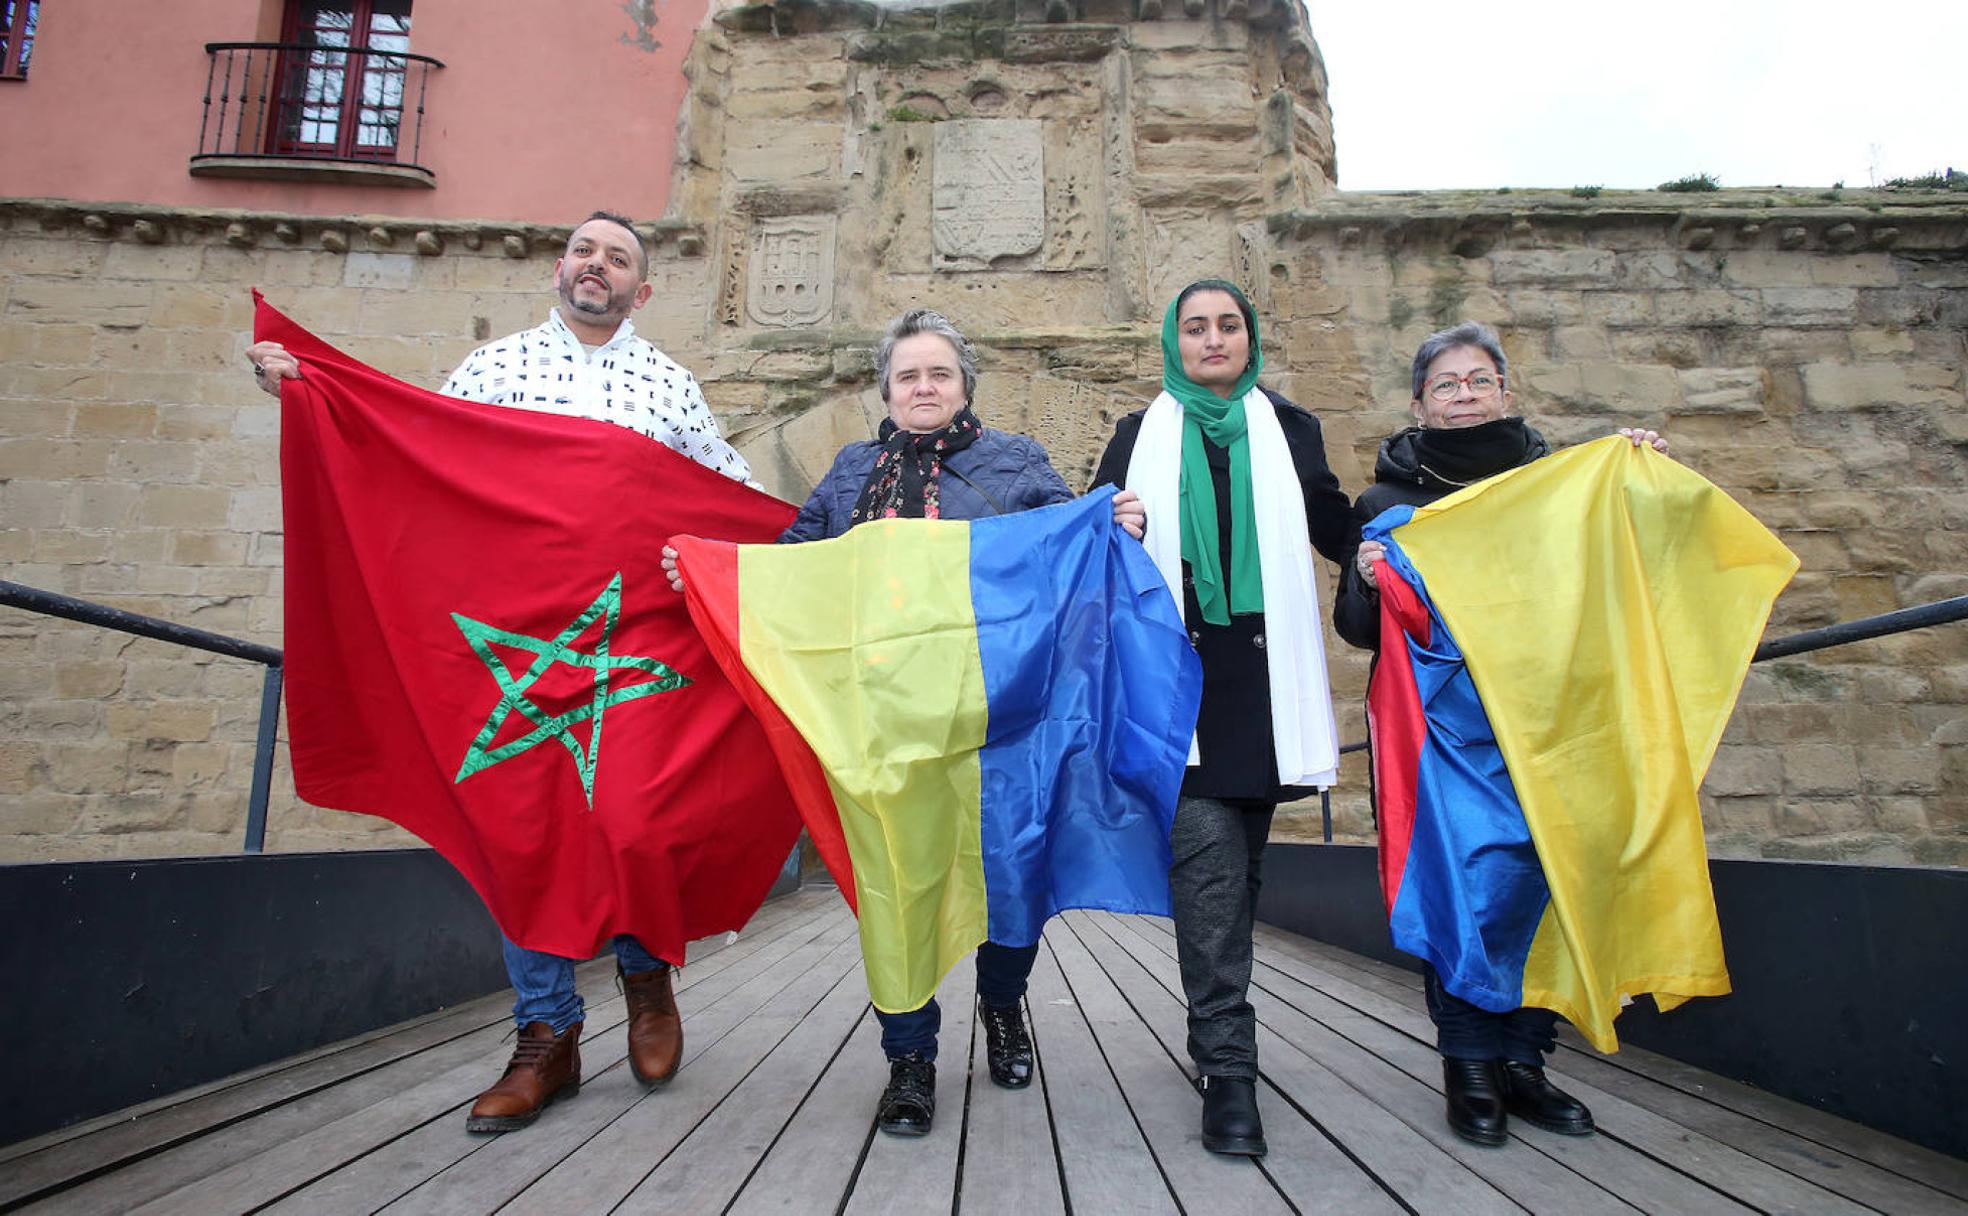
[
  {"x": 908, "y": 1105},
  {"x": 1006, "y": 1045},
  {"x": 1475, "y": 1100},
  {"x": 1230, "y": 1119},
  {"x": 1531, "y": 1096}
]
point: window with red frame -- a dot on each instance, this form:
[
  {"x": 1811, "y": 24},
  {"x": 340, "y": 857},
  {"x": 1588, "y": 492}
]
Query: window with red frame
[
  {"x": 339, "y": 97},
  {"x": 17, "y": 22}
]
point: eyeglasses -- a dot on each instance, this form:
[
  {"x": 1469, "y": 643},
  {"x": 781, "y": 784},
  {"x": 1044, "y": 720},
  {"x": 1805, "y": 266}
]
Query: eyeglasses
[{"x": 1481, "y": 384}]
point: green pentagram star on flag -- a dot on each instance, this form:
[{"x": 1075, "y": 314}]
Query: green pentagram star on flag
[{"x": 546, "y": 652}]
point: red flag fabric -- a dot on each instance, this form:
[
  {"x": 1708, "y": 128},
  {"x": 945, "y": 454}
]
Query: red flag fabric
[{"x": 482, "y": 647}]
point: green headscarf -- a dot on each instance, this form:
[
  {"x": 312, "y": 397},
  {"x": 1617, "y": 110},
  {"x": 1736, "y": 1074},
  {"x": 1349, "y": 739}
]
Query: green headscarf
[{"x": 1222, "y": 420}]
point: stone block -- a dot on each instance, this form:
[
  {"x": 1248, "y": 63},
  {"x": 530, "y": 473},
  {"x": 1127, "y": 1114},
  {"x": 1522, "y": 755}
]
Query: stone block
[
  {"x": 70, "y": 548},
  {"x": 1807, "y": 306},
  {"x": 77, "y": 679},
  {"x": 1854, "y": 270},
  {"x": 1769, "y": 268},
  {"x": 94, "y": 767},
  {"x": 783, "y": 152},
  {"x": 1546, "y": 268},
  {"x": 180, "y": 263},
  {"x": 196, "y": 548},
  {"x": 1858, "y": 386},
  {"x": 122, "y": 420},
  {"x": 171, "y": 721},
  {"x": 1913, "y": 770},
  {"x": 1721, "y": 390},
  {"x": 75, "y": 301},
  {"x": 193, "y": 306},
  {"x": 102, "y": 505},
  {"x": 195, "y": 422},
  {"x": 1744, "y": 770},
  {"x": 1708, "y": 307},
  {"x": 33, "y": 504},
  {"x": 17, "y": 765},
  {"x": 1818, "y": 770},
  {"x": 394, "y": 271},
  {"x": 181, "y": 506},
  {"x": 256, "y": 510}
]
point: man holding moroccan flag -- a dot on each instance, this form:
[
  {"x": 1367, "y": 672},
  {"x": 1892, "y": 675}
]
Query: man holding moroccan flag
[{"x": 480, "y": 646}]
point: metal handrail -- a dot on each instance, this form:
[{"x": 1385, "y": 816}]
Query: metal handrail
[
  {"x": 53, "y": 603},
  {"x": 1922, "y": 616}
]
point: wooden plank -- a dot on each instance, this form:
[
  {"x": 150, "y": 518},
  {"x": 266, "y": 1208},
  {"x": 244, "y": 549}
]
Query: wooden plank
[
  {"x": 1010, "y": 1162},
  {"x": 1719, "y": 1166},
  {"x": 813, "y": 1163},
  {"x": 703, "y": 1173},
  {"x": 1364, "y": 1151},
  {"x": 410, "y": 1106},
  {"x": 498, "y": 1168},
  {"x": 1833, "y": 1152},
  {"x": 1107, "y": 1165},
  {"x": 1401, "y": 1074},
  {"x": 396, "y": 1168},
  {"x": 1165, "y": 1105},
  {"x": 898, "y": 1171},
  {"x": 74, "y": 1155}
]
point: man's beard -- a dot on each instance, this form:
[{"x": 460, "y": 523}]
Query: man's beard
[{"x": 599, "y": 308}]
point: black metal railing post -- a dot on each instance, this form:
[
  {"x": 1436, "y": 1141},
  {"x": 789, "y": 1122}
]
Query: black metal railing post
[{"x": 257, "y": 799}]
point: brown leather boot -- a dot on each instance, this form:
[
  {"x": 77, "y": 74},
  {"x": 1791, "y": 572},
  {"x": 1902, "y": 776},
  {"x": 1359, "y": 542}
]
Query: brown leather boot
[
  {"x": 544, "y": 1066},
  {"x": 655, "y": 1026}
]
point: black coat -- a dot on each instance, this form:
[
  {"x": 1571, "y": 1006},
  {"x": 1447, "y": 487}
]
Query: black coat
[
  {"x": 1400, "y": 479},
  {"x": 1233, "y": 731}
]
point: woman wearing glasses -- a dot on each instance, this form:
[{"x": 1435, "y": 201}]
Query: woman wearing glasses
[{"x": 1492, "y": 1063}]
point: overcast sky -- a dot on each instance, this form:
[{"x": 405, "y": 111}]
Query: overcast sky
[{"x": 1432, "y": 95}]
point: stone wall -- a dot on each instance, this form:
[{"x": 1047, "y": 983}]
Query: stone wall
[{"x": 1048, "y": 177}]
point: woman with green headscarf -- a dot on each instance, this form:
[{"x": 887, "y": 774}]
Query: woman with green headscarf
[{"x": 1238, "y": 494}]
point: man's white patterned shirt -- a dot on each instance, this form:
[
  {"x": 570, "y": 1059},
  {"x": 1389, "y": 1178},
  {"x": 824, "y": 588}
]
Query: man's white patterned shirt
[{"x": 627, "y": 382}]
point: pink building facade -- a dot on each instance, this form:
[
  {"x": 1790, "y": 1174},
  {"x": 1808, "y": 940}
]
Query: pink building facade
[{"x": 537, "y": 110}]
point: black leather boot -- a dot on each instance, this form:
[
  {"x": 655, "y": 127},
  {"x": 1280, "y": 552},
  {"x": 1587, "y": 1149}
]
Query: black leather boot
[
  {"x": 1530, "y": 1095},
  {"x": 908, "y": 1105},
  {"x": 1006, "y": 1045},
  {"x": 1475, "y": 1100},
  {"x": 1230, "y": 1120}
]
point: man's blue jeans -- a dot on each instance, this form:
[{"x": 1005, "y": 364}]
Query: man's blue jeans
[
  {"x": 1001, "y": 975},
  {"x": 545, "y": 982}
]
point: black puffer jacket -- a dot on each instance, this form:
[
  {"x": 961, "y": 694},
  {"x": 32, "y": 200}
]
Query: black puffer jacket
[{"x": 1402, "y": 478}]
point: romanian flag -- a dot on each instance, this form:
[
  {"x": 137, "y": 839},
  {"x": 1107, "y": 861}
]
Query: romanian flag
[
  {"x": 482, "y": 646},
  {"x": 1561, "y": 647},
  {"x": 983, "y": 723}
]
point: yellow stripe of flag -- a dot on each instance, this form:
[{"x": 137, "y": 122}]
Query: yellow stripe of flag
[
  {"x": 1608, "y": 601},
  {"x": 859, "y": 700}
]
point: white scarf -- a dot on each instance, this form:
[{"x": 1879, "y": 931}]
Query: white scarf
[{"x": 1302, "y": 726}]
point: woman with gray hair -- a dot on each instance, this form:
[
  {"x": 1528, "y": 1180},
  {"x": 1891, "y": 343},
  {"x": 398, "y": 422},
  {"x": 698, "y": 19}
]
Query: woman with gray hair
[
  {"x": 1464, "y": 432},
  {"x": 933, "y": 459}
]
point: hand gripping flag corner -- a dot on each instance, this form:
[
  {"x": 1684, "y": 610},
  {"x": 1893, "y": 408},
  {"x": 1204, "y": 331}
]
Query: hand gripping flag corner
[
  {"x": 984, "y": 723},
  {"x": 481, "y": 647},
  {"x": 1561, "y": 647}
]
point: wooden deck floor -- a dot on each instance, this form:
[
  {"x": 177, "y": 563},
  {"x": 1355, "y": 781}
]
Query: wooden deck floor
[{"x": 772, "y": 1110}]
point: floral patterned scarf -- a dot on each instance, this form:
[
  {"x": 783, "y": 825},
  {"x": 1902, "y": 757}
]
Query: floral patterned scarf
[{"x": 903, "y": 483}]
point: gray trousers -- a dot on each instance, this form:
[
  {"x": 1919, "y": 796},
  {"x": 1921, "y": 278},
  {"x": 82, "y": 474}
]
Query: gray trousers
[{"x": 1218, "y": 851}]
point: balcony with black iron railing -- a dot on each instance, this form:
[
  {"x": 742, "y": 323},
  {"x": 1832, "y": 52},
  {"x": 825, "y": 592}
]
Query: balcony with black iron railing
[{"x": 293, "y": 111}]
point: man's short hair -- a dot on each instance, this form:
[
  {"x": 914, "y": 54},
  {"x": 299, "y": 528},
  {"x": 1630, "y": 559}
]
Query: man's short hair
[{"x": 614, "y": 217}]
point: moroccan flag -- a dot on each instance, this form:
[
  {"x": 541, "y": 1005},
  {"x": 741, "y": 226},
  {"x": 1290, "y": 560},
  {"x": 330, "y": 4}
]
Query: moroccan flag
[
  {"x": 983, "y": 722},
  {"x": 1561, "y": 647},
  {"x": 482, "y": 647}
]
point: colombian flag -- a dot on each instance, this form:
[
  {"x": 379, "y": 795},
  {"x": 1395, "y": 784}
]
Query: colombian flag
[
  {"x": 1561, "y": 647},
  {"x": 982, "y": 723}
]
